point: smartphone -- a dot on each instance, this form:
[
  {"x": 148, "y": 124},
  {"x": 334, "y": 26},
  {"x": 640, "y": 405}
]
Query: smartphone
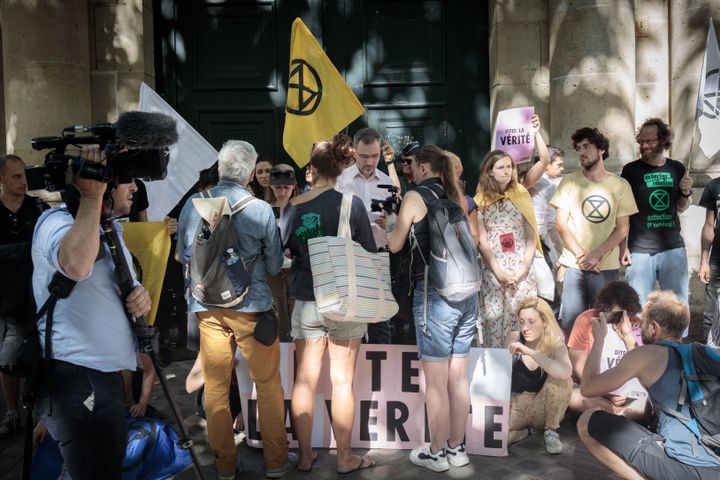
[{"x": 613, "y": 317}]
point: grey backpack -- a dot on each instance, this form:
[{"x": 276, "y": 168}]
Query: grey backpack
[
  {"x": 453, "y": 268},
  {"x": 212, "y": 281}
]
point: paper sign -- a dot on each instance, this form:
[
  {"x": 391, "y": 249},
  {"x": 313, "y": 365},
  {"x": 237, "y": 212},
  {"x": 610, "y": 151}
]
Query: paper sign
[
  {"x": 390, "y": 400},
  {"x": 613, "y": 350},
  {"x": 514, "y": 133}
]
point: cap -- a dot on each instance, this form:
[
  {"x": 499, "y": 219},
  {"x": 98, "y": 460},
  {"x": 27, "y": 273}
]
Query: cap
[
  {"x": 411, "y": 148},
  {"x": 282, "y": 174}
]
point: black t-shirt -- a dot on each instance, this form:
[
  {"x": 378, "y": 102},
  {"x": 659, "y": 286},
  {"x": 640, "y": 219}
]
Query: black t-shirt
[
  {"x": 16, "y": 227},
  {"x": 319, "y": 217},
  {"x": 656, "y": 226},
  {"x": 710, "y": 200}
]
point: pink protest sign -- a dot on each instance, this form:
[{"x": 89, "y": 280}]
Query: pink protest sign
[{"x": 514, "y": 133}]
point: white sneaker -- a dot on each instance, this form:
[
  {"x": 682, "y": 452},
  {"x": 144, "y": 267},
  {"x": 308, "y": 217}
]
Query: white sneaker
[
  {"x": 279, "y": 472},
  {"x": 10, "y": 424},
  {"x": 437, "y": 462},
  {"x": 553, "y": 445},
  {"x": 456, "y": 456}
]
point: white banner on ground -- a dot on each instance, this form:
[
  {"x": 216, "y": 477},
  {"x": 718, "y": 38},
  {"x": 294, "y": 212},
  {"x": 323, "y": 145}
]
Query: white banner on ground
[
  {"x": 390, "y": 400},
  {"x": 188, "y": 156}
]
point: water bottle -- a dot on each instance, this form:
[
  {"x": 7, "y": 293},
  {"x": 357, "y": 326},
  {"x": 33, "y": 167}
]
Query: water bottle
[
  {"x": 236, "y": 271},
  {"x": 231, "y": 257}
]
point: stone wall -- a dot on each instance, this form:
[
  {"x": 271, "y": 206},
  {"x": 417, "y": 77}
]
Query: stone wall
[{"x": 71, "y": 62}]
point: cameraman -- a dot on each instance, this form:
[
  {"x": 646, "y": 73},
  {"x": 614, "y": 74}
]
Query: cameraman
[{"x": 81, "y": 398}]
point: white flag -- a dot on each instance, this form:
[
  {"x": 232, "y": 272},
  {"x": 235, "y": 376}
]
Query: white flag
[
  {"x": 188, "y": 156},
  {"x": 708, "y": 101}
]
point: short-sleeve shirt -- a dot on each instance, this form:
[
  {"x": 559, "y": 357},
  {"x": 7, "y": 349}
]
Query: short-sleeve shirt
[
  {"x": 315, "y": 218},
  {"x": 710, "y": 199},
  {"x": 90, "y": 327},
  {"x": 594, "y": 208},
  {"x": 656, "y": 226},
  {"x": 581, "y": 334},
  {"x": 541, "y": 193}
]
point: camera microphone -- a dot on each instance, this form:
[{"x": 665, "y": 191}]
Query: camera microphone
[
  {"x": 146, "y": 130},
  {"x": 97, "y": 129}
]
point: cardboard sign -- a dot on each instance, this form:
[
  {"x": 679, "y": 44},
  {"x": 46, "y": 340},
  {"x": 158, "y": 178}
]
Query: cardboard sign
[
  {"x": 613, "y": 350},
  {"x": 390, "y": 400},
  {"x": 514, "y": 133}
]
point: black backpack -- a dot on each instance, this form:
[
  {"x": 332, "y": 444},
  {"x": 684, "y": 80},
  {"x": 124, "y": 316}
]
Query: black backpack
[
  {"x": 700, "y": 390},
  {"x": 212, "y": 281},
  {"x": 453, "y": 268}
]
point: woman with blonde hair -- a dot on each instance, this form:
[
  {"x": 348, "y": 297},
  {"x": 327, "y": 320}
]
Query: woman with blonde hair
[
  {"x": 508, "y": 238},
  {"x": 541, "y": 385}
]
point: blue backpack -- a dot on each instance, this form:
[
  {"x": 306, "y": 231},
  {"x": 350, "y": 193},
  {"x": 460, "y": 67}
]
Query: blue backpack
[{"x": 700, "y": 390}]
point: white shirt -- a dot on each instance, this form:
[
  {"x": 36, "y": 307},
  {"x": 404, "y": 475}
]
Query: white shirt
[{"x": 352, "y": 181}]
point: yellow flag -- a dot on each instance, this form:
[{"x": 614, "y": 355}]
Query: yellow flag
[
  {"x": 150, "y": 243},
  {"x": 319, "y": 102}
]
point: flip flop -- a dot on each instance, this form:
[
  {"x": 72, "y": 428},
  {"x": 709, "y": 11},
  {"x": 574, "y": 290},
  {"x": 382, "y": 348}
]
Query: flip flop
[
  {"x": 309, "y": 469},
  {"x": 361, "y": 466}
]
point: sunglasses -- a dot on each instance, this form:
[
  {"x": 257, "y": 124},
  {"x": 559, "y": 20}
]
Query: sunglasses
[
  {"x": 407, "y": 161},
  {"x": 289, "y": 175}
]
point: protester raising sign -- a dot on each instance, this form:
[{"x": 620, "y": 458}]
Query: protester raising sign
[
  {"x": 390, "y": 401},
  {"x": 514, "y": 133}
]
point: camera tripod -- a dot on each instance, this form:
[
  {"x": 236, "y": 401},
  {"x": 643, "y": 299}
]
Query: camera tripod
[{"x": 146, "y": 336}]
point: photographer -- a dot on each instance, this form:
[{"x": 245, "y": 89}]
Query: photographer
[{"x": 81, "y": 398}]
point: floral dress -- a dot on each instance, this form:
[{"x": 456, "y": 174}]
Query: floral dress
[{"x": 505, "y": 229}]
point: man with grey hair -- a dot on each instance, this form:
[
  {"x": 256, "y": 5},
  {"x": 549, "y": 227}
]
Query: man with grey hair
[{"x": 260, "y": 247}]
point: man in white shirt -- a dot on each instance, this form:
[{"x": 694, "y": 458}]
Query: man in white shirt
[{"x": 363, "y": 180}]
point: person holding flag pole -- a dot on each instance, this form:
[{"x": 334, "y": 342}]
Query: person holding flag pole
[{"x": 707, "y": 122}]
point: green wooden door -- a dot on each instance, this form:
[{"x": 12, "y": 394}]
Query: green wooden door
[{"x": 419, "y": 67}]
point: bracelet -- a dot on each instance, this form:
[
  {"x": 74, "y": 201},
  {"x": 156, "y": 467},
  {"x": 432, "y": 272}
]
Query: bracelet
[{"x": 686, "y": 196}]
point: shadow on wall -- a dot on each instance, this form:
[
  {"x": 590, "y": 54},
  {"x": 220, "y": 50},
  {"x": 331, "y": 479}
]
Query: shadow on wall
[{"x": 391, "y": 65}]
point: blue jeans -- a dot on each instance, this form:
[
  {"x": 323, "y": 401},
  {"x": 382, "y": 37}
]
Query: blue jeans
[
  {"x": 711, "y": 298},
  {"x": 580, "y": 289},
  {"x": 445, "y": 329},
  {"x": 669, "y": 268},
  {"x": 88, "y": 419}
]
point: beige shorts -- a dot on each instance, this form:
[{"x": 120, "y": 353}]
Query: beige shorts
[{"x": 306, "y": 324}]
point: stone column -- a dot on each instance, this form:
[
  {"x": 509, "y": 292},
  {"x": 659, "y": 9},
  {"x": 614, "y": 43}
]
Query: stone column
[
  {"x": 689, "y": 24},
  {"x": 121, "y": 55},
  {"x": 592, "y": 74},
  {"x": 45, "y": 70},
  {"x": 652, "y": 63},
  {"x": 519, "y": 58}
]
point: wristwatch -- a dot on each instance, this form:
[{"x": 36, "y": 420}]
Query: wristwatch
[{"x": 682, "y": 194}]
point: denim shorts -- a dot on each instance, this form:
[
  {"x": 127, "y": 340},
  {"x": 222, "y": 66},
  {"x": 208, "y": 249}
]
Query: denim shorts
[
  {"x": 306, "y": 323},
  {"x": 450, "y": 327}
]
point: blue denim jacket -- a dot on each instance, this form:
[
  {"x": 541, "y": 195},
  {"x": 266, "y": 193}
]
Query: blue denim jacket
[{"x": 258, "y": 243}]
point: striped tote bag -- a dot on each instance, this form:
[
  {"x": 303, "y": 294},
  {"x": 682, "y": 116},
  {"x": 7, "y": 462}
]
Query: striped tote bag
[{"x": 350, "y": 283}]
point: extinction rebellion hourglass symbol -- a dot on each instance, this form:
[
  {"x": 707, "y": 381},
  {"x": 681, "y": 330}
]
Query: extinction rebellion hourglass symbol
[{"x": 305, "y": 85}]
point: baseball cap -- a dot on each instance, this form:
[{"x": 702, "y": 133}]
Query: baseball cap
[{"x": 282, "y": 174}]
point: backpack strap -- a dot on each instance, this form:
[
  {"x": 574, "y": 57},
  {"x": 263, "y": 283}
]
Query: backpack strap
[{"x": 241, "y": 204}]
